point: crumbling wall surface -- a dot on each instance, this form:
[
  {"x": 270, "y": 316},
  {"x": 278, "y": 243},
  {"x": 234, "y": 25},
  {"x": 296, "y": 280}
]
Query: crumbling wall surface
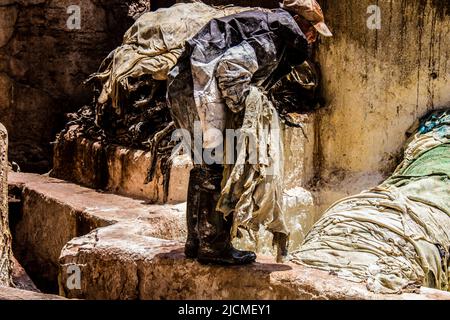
[
  {"x": 5, "y": 236},
  {"x": 43, "y": 63},
  {"x": 377, "y": 82}
]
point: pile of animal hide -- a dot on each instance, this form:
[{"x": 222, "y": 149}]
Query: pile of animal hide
[
  {"x": 395, "y": 237},
  {"x": 247, "y": 61},
  {"x": 130, "y": 106},
  {"x": 231, "y": 71}
]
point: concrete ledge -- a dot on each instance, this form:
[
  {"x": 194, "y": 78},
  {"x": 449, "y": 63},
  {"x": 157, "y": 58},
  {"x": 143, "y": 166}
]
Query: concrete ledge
[
  {"x": 7, "y": 293},
  {"x": 117, "y": 169},
  {"x": 127, "y": 249},
  {"x": 52, "y": 212},
  {"x": 123, "y": 262}
]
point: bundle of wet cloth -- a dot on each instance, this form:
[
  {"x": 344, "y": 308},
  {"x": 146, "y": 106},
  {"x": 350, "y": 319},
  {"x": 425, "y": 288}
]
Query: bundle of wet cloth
[
  {"x": 395, "y": 237},
  {"x": 221, "y": 82},
  {"x": 226, "y": 67},
  {"x": 132, "y": 78}
]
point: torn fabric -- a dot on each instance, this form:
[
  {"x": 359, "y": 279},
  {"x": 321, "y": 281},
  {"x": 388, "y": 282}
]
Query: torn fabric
[
  {"x": 253, "y": 185},
  {"x": 221, "y": 82},
  {"x": 277, "y": 42}
]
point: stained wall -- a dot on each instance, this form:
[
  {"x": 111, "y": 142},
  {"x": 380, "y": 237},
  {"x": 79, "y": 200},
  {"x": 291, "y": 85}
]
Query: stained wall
[{"x": 377, "y": 82}]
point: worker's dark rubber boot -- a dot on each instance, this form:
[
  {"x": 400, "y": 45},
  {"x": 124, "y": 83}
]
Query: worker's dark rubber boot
[
  {"x": 204, "y": 182},
  {"x": 192, "y": 242},
  {"x": 213, "y": 230},
  {"x": 215, "y": 241}
]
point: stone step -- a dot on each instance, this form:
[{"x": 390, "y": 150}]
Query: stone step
[
  {"x": 52, "y": 212},
  {"x": 124, "y": 261},
  {"x": 7, "y": 293},
  {"x": 20, "y": 278},
  {"x": 118, "y": 169},
  {"x": 127, "y": 249}
]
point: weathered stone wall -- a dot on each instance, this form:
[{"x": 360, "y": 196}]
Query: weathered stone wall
[
  {"x": 43, "y": 64},
  {"x": 5, "y": 236},
  {"x": 377, "y": 83}
]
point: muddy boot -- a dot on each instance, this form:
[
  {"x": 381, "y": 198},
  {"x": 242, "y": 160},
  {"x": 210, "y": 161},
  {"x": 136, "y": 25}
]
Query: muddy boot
[
  {"x": 202, "y": 182},
  {"x": 192, "y": 242},
  {"x": 215, "y": 242},
  {"x": 213, "y": 229}
]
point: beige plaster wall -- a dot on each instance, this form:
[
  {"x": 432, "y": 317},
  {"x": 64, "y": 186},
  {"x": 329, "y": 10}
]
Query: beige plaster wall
[{"x": 376, "y": 84}]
